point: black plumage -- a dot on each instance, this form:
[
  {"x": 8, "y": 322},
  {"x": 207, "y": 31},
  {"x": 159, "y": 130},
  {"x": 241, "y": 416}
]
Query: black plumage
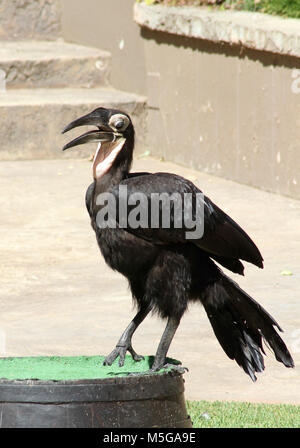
[{"x": 166, "y": 270}]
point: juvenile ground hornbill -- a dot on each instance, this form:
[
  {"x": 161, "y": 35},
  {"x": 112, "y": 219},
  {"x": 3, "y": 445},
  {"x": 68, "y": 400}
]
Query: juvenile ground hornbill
[{"x": 166, "y": 270}]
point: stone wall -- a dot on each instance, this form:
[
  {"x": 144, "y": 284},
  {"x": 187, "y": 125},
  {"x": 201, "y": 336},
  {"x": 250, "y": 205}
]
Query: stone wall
[
  {"x": 109, "y": 25},
  {"x": 30, "y": 19},
  {"x": 224, "y": 93}
]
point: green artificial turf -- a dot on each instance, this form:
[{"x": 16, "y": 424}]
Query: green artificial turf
[
  {"x": 222, "y": 414},
  {"x": 71, "y": 367}
]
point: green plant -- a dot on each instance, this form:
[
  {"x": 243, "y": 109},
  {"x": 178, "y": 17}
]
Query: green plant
[{"x": 287, "y": 8}]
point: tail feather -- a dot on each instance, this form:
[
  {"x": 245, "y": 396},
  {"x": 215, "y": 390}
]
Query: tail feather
[{"x": 241, "y": 325}]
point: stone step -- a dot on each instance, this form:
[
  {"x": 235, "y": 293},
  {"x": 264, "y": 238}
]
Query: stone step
[
  {"x": 32, "y": 119},
  {"x": 41, "y": 64},
  {"x": 30, "y": 19}
]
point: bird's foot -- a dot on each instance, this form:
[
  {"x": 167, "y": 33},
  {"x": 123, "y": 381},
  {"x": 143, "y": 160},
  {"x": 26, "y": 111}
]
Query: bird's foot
[
  {"x": 176, "y": 368},
  {"x": 120, "y": 351},
  {"x": 173, "y": 367}
]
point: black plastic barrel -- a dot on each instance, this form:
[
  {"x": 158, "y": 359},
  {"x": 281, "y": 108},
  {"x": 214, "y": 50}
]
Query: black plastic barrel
[{"x": 144, "y": 401}]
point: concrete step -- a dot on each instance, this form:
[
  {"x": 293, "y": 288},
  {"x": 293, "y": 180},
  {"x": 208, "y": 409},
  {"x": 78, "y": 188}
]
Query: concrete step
[
  {"x": 41, "y": 64},
  {"x": 30, "y": 19},
  {"x": 32, "y": 119}
]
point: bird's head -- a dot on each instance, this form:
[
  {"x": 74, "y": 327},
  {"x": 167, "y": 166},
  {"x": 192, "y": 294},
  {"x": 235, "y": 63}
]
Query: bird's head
[{"x": 114, "y": 133}]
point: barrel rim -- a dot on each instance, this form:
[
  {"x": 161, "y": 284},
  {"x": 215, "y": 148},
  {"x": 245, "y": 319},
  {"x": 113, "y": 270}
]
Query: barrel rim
[
  {"x": 112, "y": 380},
  {"x": 138, "y": 387}
]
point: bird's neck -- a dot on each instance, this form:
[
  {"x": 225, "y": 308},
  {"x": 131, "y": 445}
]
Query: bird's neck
[{"x": 111, "y": 164}]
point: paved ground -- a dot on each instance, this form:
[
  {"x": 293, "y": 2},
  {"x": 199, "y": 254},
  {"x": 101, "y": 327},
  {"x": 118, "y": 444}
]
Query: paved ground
[{"x": 58, "y": 297}]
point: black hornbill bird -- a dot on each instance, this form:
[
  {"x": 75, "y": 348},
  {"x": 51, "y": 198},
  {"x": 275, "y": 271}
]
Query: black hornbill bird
[{"x": 166, "y": 270}]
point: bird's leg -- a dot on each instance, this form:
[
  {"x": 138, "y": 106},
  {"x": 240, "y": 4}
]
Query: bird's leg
[
  {"x": 165, "y": 342},
  {"x": 124, "y": 342}
]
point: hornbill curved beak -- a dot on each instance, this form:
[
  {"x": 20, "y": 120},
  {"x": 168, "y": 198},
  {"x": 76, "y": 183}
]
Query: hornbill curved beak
[{"x": 104, "y": 133}]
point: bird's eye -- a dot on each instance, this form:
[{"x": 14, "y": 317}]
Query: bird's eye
[{"x": 119, "y": 124}]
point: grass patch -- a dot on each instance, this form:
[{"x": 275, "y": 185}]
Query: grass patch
[
  {"x": 286, "y": 8},
  {"x": 222, "y": 414}
]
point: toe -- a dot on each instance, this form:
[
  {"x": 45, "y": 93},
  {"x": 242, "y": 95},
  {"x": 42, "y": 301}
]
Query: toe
[
  {"x": 135, "y": 356},
  {"x": 106, "y": 363},
  {"x": 110, "y": 358},
  {"x": 122, "y": 359}
]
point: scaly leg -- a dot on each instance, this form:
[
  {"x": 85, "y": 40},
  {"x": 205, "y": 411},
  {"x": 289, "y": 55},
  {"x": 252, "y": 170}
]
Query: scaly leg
[
  {"x": 124, "y": 342},
  {"x": 165, "y": 342}
]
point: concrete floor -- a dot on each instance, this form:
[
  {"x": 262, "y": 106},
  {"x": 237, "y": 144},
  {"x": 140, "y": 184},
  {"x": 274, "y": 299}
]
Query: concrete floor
[{"x": 57, "y": 296}]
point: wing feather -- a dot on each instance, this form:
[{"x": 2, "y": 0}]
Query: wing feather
[{"x": 223, "y": 239}]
